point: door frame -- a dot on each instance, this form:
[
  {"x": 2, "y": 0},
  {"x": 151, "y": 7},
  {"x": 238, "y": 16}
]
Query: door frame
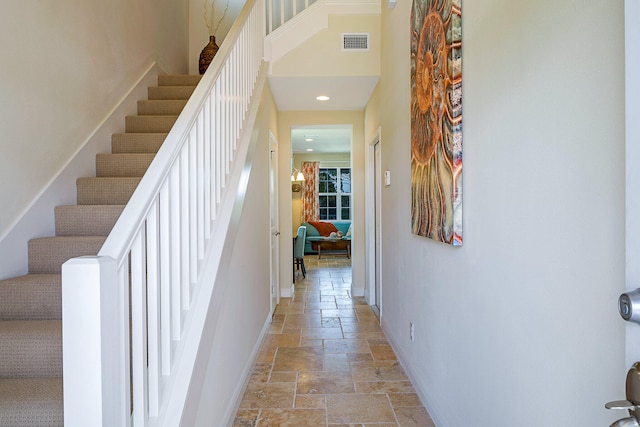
[
  {"x": 274, "y": 225},
  {"x": 373, "y": 213},
  {"x": 632, "y": 174}
]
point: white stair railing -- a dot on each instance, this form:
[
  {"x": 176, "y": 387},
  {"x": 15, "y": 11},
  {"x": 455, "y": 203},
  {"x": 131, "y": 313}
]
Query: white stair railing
[
  {"x": 281, "y": 11},
  {"x": 131, "y": 315}
]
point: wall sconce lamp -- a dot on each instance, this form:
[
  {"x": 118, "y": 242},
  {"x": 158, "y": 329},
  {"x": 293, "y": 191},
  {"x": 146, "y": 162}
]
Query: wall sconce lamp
[
  {"x": 296, "y": 175},
  {"x": 296, "y": 180}
]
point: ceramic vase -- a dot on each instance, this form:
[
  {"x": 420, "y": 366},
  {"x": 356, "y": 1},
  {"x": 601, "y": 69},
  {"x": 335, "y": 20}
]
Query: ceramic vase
[{"x": 207, "y": 54}]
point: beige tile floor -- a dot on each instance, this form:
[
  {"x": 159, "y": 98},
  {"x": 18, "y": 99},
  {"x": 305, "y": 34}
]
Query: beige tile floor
[{"x": 326, "y": 362}]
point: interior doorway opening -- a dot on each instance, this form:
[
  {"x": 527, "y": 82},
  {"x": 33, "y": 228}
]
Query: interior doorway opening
[{"x": 322, "y": 193}]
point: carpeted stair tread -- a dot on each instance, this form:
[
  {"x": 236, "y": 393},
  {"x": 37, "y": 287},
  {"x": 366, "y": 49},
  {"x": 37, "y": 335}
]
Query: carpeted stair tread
[
  {"x": 33, "y": 296},
  {"x": 105, "y": 190},
  {"x": 170, "y": 92},
  {"x": 137, "y": 142},
  {"x": 152, "y": 124},
  {"x": 47, "y": 254},
  {"x": 31, "y": 385},
  {"x": 86, "y": 220},
  {"x": 33, "y": 402},
  {"x": 161, "y": 107},
  {"x": 123, "y": 165},
  {"x": 30, "y": 348},
  {"x": 179, "y": 79}
]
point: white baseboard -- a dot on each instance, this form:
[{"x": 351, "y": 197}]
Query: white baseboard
[
  {"x": 286, "y": 292},
  {"x": 357, "y": 292},
  {"x": 412, "y": 377},
  {"x": 238, "y": 393},
  {"x": 37, "y": 219}
]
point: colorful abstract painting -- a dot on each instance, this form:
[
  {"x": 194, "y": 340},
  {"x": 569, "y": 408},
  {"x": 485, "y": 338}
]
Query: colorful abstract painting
[{"x": 436, "y": 120}]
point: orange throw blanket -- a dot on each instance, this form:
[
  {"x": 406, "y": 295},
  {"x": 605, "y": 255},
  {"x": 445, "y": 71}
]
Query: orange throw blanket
[{"x": 324, "y": 228}]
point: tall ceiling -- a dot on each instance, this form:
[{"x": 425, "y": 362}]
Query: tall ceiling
[
  {"x": 299, "y": 94},
  {"x": 347, "y": 93}
]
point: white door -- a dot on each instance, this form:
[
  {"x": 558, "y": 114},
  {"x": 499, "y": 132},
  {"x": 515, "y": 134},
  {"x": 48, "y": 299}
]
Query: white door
[{"x": 275, "y": 233}]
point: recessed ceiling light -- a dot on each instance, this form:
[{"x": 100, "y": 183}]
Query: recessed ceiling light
[
  {"x": 322, "y": 98},
  {"x": 309, "y": 149},
  {"x": 309, "y": 139}
]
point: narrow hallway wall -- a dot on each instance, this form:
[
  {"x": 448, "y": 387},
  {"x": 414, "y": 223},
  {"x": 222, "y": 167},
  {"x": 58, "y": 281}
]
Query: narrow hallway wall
[{"x": 518, "y": 326}]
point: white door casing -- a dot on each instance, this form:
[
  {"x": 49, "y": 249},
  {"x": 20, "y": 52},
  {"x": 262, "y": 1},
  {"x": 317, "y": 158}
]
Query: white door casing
[
  {"x": 274, "y": 228},
  {"x": 632, "y": 172},
  {"x": 378, "y": 226},
  {"x": 373, "y": 220}
]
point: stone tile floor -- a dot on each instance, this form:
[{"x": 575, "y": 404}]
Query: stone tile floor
[{"x": 326, "y": 362}]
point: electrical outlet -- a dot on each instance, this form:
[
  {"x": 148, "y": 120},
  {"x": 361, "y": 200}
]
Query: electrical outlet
[{"x": 411, "y": 330}]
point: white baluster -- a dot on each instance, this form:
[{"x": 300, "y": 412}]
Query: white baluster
[
  {"x": 282, "y": 7},
  {"x": 200, "y": 197},
  {"x": 191, "y": 194},
  {"x": 224, "y": 131},
  {"x": 207, "y": 169},
  {"x": 179, "y": 225},
  {"x": 153, "y": 307},
  {"x": 234, "y": 102},
  {"x": 139, "y": 331},
  {"x": 165, "y": 275},
  {"x": 217, "y": 125}
]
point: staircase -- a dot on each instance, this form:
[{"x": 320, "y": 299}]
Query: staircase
[{"x": 30, "y": 305}]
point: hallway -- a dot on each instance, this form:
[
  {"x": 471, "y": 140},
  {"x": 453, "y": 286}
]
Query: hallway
[{"x": 326, "y": 362}]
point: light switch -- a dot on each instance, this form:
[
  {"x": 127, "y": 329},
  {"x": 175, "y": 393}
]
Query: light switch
[{"x": 387, "y": 178}]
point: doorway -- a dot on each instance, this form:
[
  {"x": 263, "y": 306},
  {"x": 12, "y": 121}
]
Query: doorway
[{"x": 328, "y": 147}]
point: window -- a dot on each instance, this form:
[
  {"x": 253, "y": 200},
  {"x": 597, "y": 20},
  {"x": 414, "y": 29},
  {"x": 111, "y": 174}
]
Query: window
[{"x": 334, "y": 193}]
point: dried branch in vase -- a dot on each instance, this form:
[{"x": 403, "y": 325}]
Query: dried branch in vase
[
  {"x": 210, "y": 50},
  {"x": 208, "y": 17}
]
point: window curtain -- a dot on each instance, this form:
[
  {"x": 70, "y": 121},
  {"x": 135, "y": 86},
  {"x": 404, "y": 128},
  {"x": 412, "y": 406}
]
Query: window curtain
[{"x": 309, "y": 209}]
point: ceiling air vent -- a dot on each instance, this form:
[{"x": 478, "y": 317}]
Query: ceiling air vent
[{"x": 355, "y": 41}]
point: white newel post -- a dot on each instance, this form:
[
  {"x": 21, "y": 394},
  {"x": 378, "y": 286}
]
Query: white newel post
[{"x": 94, "y": 389}]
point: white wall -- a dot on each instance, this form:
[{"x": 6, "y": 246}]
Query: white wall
[
  {"x": 322, "y": 54},
  {"x": 518, "y": 326},
  {"x": 172, "y": 36},
  {"x": 65, "y": 66}
]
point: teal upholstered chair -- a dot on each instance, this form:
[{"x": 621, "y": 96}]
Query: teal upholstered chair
[{"x": 298, "y": 252}]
